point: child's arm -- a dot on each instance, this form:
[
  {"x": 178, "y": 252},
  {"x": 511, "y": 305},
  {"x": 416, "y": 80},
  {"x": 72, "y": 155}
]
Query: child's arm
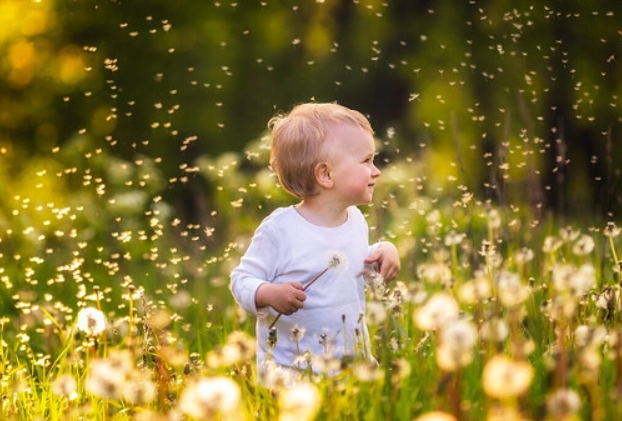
[
  {"x": 285, "y": 298},
  {"x": 388, "y": 260}
]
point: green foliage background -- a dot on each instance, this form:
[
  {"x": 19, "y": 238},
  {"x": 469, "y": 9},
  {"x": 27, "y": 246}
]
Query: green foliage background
[{"x": 133, "y": 157}]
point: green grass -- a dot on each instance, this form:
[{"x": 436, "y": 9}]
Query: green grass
[{"x": 171, "y": 321}]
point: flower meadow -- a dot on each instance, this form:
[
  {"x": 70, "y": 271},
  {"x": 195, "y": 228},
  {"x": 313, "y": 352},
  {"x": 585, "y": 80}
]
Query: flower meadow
[{"x": 113, "y": 308}]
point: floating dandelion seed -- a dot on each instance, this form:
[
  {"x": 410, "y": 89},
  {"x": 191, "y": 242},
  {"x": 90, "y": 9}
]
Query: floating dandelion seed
[{"x": 91, "y": 321}]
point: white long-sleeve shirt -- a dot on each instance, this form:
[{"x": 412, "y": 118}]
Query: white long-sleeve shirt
[{"x": 288, "y": 248}]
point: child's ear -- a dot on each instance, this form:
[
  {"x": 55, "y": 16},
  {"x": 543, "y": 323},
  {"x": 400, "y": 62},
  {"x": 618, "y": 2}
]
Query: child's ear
[{"x": 323, "y": 175}]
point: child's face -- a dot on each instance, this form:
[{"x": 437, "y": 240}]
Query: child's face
[{"x": 350, "y": 154}]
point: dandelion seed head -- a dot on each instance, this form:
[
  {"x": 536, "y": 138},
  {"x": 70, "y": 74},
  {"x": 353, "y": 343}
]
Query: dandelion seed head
[
  {"x": 454, "y": 239},
  {"x": 494, "y": 218},
  {"x": 375, "y": 313},
  {"x": 606, "y": 299},
  {"x": 91, "y": 321},
  {"x": 107, "y": 376},
  {"x": 589, "y": 336},
  {"x": 211, "y": 397},
  {"x": 459, "y": 335},
  {"x": 435, "y": 273},
  {"x": 337, "y": 260},
  {"x": 297, "y": 333},
  {"x": 551, "y": 244},
  {"x": 495, "y": 330},
  {"x": 300, "y": 402},
  {"x": 450, "y": 360},
  {"x": 66, "y": 386},
  {"x": 569, "y": 234},
  {"x": 611, "y": 230},
  {"x": 326, "y": 364},
  {"x": 563, "y": 404},
  {"x": 475, "y": 290},
  {"x": 456, "y": 341},
  {"x": 505, "y": 378},
  {"x": 401, "y": 369},
  {"x": 367, "y": 371},
  {"x": 590, "y": 360},
  {"x": 374, "y": 280},
  {"x": 139, "y": 389},
  {"x": 274, "y": 376},
  {"x": 524, "y": 255},
  {"x": 435, "y": 416},
  {"x": 439, "y": 310},
  {"x": 576, "y": 281},
  {"x": 583, "y": 246},
  {"x": 511, "y": 290}
]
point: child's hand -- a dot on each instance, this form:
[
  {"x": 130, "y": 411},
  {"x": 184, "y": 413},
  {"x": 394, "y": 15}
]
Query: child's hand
[
  {"x": 388, "y": 260},
  {"x": 285, "y": 298}
]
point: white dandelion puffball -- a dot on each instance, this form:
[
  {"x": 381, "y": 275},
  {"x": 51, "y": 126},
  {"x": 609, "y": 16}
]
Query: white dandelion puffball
[
  {"x": 505, "y": 378},
  {"x": 300, "y": 402},
  {"x": 91, "y": 321},
  {"x": 211, "y": 396},
  {"x": 337, "y": 260},
  {"x": 107, "y": 376},
  {"x": 439, "y": 310}
]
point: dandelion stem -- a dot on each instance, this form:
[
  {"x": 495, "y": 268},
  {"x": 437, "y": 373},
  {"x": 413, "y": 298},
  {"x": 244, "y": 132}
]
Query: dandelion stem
[
  {"x": 316, "y": 278},
  {"x": 99, "y": 307},
  {"x": 278, "y": 316},
  {"x": 130, "y": 316},
  {"x": 613, "y": 250}
]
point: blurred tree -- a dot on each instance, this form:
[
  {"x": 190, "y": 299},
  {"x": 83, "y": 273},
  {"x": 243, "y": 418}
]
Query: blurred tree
[{"x": 511, "y": 99}]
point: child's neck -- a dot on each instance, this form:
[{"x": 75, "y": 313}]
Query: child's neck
[{"x": 318, "y": 212}]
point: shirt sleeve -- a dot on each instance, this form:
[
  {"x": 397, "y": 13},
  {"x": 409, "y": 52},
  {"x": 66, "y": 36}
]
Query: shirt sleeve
[{"x": 256, "y": 267}]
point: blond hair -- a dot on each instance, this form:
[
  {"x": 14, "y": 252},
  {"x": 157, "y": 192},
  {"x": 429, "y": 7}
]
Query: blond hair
[{"x": 297, "y": 140}]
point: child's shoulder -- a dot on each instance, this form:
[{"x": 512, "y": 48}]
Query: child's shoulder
[
  {"x": 356, "y": 212},
  {"x": 279, "y": 215}
]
